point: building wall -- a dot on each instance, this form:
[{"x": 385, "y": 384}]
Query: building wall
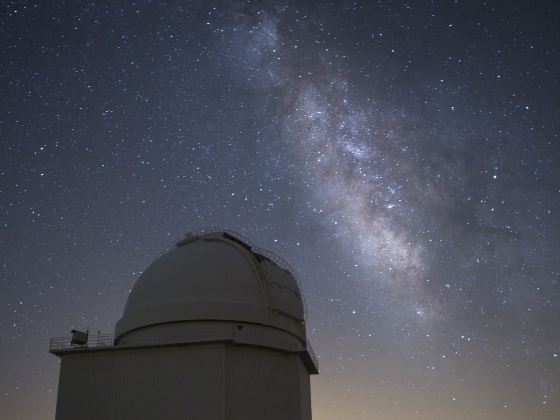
[
  {"x": 214, "y": 381},
  {"x": 266, "y": 384},
  {"x": 151, "y": 383}
]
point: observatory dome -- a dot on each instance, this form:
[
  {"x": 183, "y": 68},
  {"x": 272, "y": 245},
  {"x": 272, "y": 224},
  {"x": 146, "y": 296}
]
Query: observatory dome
[{"x": 215, "y": 277}]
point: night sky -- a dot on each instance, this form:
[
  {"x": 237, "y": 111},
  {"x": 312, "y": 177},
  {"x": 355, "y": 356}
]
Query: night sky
[{"x": 403, "y": 157}]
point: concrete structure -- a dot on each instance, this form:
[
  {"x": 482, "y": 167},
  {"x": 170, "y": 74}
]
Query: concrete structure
[{"x": 212, "y": 330}]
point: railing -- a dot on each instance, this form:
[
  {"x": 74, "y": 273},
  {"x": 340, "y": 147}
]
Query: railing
[
  {"x": 93, "y": 340},
  {"x": 107, "y": 340}
]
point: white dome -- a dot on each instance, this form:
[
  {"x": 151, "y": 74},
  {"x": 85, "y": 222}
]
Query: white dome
[{"x": 214, "y": 277}]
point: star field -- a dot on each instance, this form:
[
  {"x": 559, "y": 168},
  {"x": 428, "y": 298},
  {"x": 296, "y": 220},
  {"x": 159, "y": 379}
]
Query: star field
[{"x": 403, "y": 157}]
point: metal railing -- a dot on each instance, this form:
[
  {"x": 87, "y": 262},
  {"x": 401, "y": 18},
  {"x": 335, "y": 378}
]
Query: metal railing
[
  {"x": 59, "y": 344},
  {"x": 93, "y": 341}
]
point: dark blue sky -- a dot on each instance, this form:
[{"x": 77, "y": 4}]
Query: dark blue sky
[{"x": 403, "y": 157}]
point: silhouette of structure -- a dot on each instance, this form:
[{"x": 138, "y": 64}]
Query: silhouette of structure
[{"x": 212, "y": 330}]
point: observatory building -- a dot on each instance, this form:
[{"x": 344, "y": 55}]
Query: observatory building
[{"x": 212, "y": 330}]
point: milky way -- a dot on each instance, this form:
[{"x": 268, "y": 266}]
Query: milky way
[{"x": 402, "y": 157}]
